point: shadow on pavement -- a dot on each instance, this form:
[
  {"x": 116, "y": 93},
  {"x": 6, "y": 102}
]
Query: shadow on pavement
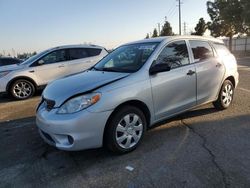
[
  {"x": 168, "y": 155},
  {"x": 5, "y": 98}
]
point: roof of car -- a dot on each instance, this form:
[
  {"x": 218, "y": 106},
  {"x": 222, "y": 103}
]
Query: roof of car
[
  {"x": 78, "y": 46},
  {"x": 9, "y": 58},
  {"x": 160, "y": 39}
]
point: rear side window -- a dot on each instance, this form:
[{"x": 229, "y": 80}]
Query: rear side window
[
  {"x": 221, "y": 49},
  {"x": 77, "y": 53},
  {"x": 175, "y": 54},
  {"x": 93, "y": 51},
  {"x": 201, "y": 50}
]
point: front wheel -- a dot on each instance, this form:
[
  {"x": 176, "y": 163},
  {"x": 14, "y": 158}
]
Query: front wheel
[
  {"x": 22, "y": 89},
  {"x": 125, "y": 130},
  {"x": 225, "y": 97}
]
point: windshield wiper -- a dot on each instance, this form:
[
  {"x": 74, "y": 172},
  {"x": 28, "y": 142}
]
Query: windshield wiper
[
  {"x": 96, "y": 69},
  {"x": 109, "y": 69}
]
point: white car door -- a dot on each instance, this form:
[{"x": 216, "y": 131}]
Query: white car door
[{"x": 49, "y": 67}]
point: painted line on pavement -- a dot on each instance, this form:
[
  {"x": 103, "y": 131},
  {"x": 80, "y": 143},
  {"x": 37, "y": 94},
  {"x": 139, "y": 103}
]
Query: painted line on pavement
[{"x": 243, "y": 89}]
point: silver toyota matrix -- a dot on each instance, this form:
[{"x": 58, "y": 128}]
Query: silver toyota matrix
[{"x": 137, "y": 85}]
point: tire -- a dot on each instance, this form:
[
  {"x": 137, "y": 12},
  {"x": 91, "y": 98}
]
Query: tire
[
  {"x": 121, "y": 127},
  {"x": 225, "y": 97},
  {"x": 22, "y": 89}
]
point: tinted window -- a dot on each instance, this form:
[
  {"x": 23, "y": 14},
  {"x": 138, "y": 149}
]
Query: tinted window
[
  {"x": 9, "y": 61},
  {"x": 201, "y": 50},
  {"x": 54, "y": 57},
  {"x": 221, "y": 49},
  {"x": 77, "y": 53},
  {"x": 93, "y": 51},
  {"x": 175, "y": 54}
]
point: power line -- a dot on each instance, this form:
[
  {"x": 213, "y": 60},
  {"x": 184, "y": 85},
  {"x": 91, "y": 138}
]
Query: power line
[{"x": 172, "y": 9}]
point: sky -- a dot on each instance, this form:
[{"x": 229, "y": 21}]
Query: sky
[{"x": 35, "y": 25}]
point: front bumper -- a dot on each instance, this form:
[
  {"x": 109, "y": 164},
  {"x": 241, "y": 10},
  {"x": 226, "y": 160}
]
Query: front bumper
[{"x": 78, "y": 131}]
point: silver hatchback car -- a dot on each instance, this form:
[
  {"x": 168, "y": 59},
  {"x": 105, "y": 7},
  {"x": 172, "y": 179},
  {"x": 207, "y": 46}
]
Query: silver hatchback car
[{"x": 137, "y": 85}]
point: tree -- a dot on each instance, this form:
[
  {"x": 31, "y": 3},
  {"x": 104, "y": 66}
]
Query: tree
[
  {"x": 155, "y": 33},
  {"x": 166, "y": 29},
  {"x": 226, "y": 18},
  {"x": 200, "y": 28},
  {"x": 147, "y": 36},
  {"x": 246, "y": 15}
]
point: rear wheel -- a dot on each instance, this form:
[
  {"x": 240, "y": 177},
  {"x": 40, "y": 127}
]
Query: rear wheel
[
  {"x": 225, "y": 97},
  {"x": 125, "y": 130},
  {"x": 22, "y": 89}
]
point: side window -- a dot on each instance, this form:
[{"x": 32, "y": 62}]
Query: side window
[
  {"x": 77, "y": 53},
  {"x": 201, "y": 50},
  {"x": 93, "y": 51},
  {"x": 54, "y": 57},
  {"x": 175, "y": 54},
  {"x": 221, "y": 49}
]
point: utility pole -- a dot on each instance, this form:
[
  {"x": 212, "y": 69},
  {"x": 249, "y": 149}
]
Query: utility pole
[
  {"x": 184, "y": 28},
  {"x": 159, "y": 30},
  {"x": 179, "y": 16}
]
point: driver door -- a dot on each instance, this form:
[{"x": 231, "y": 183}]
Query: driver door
[
  {"x": 175, "y": 90},
  {"x": 50, "y": 67}
]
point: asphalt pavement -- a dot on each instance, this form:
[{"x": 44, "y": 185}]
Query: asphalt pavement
[{"x": 200, "y": 148}]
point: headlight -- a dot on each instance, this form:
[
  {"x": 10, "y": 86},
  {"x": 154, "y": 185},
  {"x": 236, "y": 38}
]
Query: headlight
[
  {"x": 79, "y": 103},
  {"x": 4, "y": 73}
]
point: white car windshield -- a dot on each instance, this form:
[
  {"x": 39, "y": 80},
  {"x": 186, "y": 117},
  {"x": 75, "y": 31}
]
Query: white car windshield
[{"x": 33, "y": 58}]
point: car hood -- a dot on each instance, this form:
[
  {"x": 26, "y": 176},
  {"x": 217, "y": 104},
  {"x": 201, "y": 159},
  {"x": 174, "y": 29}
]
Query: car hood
[
  {"x": 62, "y": 89},
  {"x": 11, "y": 67}
]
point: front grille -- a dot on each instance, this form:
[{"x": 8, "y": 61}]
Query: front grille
[{"x": 49, "y": 104}]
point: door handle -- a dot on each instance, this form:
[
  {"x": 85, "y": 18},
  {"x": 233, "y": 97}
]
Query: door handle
[
  {"x": 31, "y": 71},
  {"x": 218, "y": 65},
  {"x": 60, "y": 66},
  {"x": 190, "y": 72}
]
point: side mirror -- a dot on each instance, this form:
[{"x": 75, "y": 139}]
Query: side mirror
[
  {"x": 40, "y": 62},
  {"x": 160, "y": 67}
]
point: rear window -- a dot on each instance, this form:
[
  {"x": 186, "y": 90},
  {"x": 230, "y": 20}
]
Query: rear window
[
  {"x": 93, "y": 51},
  {"x": 221, "y": 49},
  {"x": 201, "y": 50},
  {"x": 77, "y": 53}
]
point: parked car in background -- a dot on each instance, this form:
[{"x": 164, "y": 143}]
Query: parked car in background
[
  {"x": 22, "y": 80},
  {"x": 134, "y": 87},
  {"x": 4, "y": 61}
]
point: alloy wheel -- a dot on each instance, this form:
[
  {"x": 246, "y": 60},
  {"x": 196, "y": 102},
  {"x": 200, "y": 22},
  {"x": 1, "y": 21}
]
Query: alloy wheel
[{"x": 22, "y": 90}]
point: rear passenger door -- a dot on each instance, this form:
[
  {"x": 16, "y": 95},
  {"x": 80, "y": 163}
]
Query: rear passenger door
[
  {"x": 81, "y": 59},
  {"x": 209, "y": 69}
]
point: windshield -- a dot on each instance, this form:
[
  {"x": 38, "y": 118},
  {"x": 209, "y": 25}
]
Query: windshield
[
  {"x": 128, "y": 58},
  {"x": 34, "y": 57}
]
